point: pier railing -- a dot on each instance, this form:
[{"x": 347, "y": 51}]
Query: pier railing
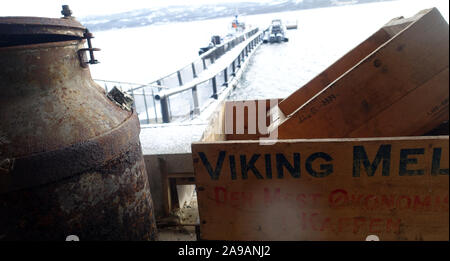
[{"x": 183, "y": 94}]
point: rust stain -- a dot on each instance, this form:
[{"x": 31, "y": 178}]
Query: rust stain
[{"x": 78, "y": 165}]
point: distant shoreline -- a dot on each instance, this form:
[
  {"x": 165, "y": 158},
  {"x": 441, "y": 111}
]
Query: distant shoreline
[{"x": 173, "y": 14}]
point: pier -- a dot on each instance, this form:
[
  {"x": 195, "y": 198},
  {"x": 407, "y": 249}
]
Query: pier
[{"x": 185, "y": 93}]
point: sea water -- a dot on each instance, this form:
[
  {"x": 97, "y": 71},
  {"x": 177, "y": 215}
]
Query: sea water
[{"x": 144, "y": 54}]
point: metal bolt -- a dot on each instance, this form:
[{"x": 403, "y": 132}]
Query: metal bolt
[
  {"x": 88, "y": 35},
  {"x": 66, "y": 11}
]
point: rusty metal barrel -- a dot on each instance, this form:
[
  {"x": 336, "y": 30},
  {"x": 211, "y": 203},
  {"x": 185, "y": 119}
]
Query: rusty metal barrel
[{"x": 70, "y": 157}]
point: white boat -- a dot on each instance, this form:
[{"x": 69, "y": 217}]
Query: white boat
[{"x": 276, "y": 33}]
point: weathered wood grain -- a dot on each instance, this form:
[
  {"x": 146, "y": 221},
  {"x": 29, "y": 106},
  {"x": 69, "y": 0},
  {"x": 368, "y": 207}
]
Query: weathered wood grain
[
  {"x": 325, "y": 189},
  {"x": 389, "y": 75},
  {"x": 345, "y": 63}
]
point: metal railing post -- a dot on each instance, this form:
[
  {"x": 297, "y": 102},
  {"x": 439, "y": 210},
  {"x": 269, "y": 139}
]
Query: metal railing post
[
  {"x": 239, "y": 60},
  {"x": 180, "y": 82},
  {"x": 204, "y": 64},
  {"x": 214, "y": 84},
  {"x": 145, "y": 104},
  {"x": 158, "y": 82},
  {"x": 194, "y": 74},
  {"x": 233, "y": 68},
  {"x": 154, "y": 106},
  {"x": 225, "y": 76},
  {"x": 164, "y": 109},
  {"x": 195, "y": 98},
  {"x": 170, "y": 109}
]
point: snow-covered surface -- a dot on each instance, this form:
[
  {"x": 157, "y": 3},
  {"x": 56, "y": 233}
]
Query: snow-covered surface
[
  {"x": 218, "y": 66},
  {"x": 175, "y": 138},
  {"x": 170, "y": 138}
]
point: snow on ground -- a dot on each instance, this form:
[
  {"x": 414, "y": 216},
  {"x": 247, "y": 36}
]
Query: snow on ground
[
  {"x": 169, "y": 138},
  {"x": 174, "y": 138}
]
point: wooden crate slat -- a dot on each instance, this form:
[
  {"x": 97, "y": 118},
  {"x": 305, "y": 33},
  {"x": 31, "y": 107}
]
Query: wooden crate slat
[
  {"x": 414, "y": 103},
  {"x": 394, "y": 70},
  {"x": 345, "y": 63}
]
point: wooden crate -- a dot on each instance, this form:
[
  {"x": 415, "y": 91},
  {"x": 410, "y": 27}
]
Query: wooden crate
[
  {"x": 395, "y": 188},
  {"x": 393, "y": 84},
  {"x": 349, "y": 159},
  {"x": 343, "y": 64}
]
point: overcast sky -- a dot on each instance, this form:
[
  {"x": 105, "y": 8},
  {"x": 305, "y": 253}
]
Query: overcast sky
[{"x": 80, "y": 8}]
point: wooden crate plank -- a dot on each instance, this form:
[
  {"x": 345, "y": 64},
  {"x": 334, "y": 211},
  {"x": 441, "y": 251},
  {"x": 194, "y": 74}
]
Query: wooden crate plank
[
  {"x": 215, "y": 130},
  {"x": 414, "y": 103},
  {"x": 345, "y": 63},
  {"x": 324, "y": 189},
  {"x": 404, "y": 63}
]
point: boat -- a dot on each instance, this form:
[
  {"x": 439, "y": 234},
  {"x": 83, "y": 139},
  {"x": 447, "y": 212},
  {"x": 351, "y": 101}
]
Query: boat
[
  {"x": 276, "y": 33},
  {"x": 215, "y": 40},
  {"x": 237, "y": 27}
]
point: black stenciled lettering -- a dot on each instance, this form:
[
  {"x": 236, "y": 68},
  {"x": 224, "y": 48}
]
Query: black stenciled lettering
[
  {"x": 213, "y": 173},
  {"x": 436, "y": 163},
  {"x": 268, "y": 160},
  {"x": 405, "y": 161},
  {"x": 232, "y": 167},
  {"x": 283, "y": 162},
  {"x": 328, "y": 99},
  {"x": 327, "y": 169},
  {"x": 383, "y": 154},
  {"x": 246, "y": 167}
]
